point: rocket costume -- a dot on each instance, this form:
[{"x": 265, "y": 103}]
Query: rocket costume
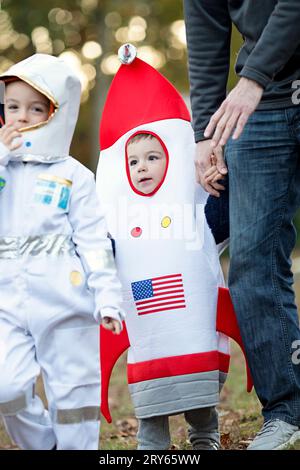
[
  {"x": 170, "y": 273},
  {"x": 57, "y": 276}
]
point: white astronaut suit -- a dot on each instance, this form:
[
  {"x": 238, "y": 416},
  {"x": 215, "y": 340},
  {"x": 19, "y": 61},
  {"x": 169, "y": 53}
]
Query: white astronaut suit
[
  {"x": 166, "y": 256},
  {"x": 57, "y": 276}
]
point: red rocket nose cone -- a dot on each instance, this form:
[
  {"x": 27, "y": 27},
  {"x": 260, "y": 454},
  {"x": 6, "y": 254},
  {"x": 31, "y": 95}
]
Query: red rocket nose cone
[{"x": 139, "y": 94}]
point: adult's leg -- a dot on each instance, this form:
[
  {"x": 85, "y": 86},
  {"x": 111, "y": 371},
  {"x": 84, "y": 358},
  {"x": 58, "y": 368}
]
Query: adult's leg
[{"x": 264, "y": 177}]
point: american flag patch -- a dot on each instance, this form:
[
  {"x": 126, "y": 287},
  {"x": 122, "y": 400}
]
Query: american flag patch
[{"x": 158, "y": 294}]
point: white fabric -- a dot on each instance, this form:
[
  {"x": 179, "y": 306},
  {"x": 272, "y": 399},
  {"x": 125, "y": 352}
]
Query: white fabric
[
  {"x": 31, "y": 429},
  {"x": 54, "y": 342},
  {"x": 159, "y": 251},
  {"x": 24, "y": 212},
  {"x": 48, "y": 301},
  {"x": 4, "y": 155}
]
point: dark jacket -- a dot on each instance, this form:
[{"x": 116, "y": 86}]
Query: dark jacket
[
  {"x": 217, "y": 213},
  {"x": 270, "y": 54}
]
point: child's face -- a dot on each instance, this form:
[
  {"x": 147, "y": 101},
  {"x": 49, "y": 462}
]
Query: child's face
[
  {"x": 147, "y": 163},
  {"x": 24, "y": 105}
]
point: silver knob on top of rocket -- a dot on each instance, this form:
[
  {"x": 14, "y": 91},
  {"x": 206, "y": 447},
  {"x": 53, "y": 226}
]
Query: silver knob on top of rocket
[{"x": 127, "y": 53}]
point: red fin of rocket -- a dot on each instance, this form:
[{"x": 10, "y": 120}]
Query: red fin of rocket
[
  {"x": 111, "y": 348},
  {"x": 227, "y": 324}
]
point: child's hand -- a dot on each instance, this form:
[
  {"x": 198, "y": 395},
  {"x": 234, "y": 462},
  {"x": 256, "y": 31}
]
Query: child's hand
[
  {"x": 212, "y": 174},
  {"x": 8, "y": 133},
  {"x": 111, "y": 324}
]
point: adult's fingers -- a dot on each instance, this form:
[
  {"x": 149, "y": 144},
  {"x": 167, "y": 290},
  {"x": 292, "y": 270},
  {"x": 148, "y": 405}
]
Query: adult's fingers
[
  {"x": 240, "y": 125},
  {"x": 220, "y": 162},
  {"x": 229, "y": 128},
  {"x": 200, "y": 169},
  {"x": 214, "y": 121},
  {"x": 215, "y": 140}
]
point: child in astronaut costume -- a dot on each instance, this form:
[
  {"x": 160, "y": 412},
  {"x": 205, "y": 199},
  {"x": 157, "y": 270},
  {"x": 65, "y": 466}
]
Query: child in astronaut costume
[
  {"x": 177, "y": 361},
  {"x": 58, "y": 279}
]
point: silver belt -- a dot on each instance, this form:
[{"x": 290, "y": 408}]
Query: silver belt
[{"x": 42, "y": 245}]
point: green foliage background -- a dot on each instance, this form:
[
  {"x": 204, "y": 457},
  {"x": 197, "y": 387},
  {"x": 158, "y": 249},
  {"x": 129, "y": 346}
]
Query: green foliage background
[{"x": 98, "y": 20}]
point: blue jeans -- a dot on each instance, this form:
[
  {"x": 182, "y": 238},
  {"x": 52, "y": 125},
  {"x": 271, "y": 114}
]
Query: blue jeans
[{"x": 264, "y": 180}]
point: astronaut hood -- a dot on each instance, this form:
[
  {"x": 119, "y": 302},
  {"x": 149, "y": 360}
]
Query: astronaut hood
[{"x": 50, "y": 140}]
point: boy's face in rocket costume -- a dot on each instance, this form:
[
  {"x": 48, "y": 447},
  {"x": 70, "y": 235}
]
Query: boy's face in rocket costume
[
  {"x": 24, "y": 106},
  {"x": 147, "y": 163}
]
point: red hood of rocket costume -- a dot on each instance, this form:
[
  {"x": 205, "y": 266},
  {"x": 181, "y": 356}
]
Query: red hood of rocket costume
[{"x": 139, "y": 94}]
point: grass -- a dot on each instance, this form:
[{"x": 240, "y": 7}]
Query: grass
[{"x": 239, "y": 412}]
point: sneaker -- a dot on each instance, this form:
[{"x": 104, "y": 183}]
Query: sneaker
[
  {"x": 208, "y": 443},
  {"x": 275, "y": 435}
]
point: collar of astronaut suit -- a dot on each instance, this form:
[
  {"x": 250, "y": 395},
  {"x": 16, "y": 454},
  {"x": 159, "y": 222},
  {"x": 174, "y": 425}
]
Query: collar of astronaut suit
[{"x": 6, "y": 156}]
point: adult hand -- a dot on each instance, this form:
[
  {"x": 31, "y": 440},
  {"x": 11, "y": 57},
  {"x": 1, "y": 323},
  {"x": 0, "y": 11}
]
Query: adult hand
[
  {"x": 8, "y": 133},
  {"x": 205, "y": 158},
  {"x": 234, "y": 112}
]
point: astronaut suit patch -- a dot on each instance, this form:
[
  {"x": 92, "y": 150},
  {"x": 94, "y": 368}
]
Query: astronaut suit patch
[
  {"x": 2, "y": 183},
  {"x": 52, "y": 190}
]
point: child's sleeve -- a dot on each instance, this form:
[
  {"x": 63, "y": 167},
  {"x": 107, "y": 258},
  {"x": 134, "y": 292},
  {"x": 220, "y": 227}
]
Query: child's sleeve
[
  {"x": 217, "y": 215},
  {"x": 4, "y": 155},
  {"x": 94, "y": 247}
]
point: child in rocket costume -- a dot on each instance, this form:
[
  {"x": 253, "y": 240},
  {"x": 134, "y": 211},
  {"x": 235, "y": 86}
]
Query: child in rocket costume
[
  {"x": 166, "y": 256},
  {"x": 57, "y": 273}
]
